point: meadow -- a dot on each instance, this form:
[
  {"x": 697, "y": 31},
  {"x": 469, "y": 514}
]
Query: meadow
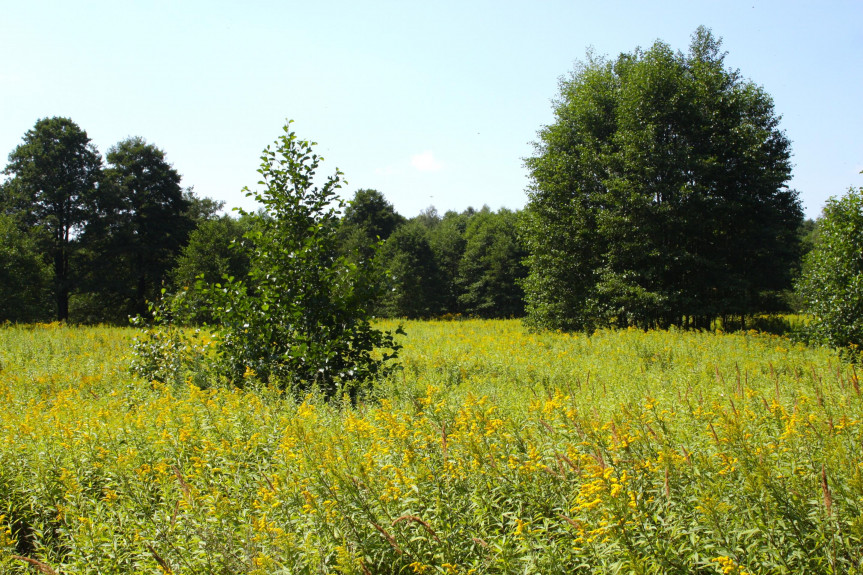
[{"x": 494, "y": 450}]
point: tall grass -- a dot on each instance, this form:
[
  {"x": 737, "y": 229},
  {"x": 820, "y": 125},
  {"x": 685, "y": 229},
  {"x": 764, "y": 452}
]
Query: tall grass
[{"x": 494, "y": 450}]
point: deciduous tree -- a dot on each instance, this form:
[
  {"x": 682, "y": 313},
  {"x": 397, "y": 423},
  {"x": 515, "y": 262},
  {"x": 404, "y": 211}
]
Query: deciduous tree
[
  {"x": 831, "y": 286},
  {"x": 54, "y": 173},
  {"x": 144, "y": 222},
  {"x": 658, "y": 195}
]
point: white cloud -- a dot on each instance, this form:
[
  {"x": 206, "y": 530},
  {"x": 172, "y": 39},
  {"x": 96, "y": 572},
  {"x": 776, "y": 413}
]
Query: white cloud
[{"x": 426, "y": 162}]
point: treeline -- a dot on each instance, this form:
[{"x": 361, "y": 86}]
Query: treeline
[
  {"x": 86, "y": 240},
  {"x": 467, "y": 263}
]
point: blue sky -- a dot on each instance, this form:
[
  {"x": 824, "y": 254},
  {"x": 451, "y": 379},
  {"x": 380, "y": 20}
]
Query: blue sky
[{"x": 431, "y": 103}]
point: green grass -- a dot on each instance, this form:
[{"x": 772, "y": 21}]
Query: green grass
[{"x": 493, "y": 451}]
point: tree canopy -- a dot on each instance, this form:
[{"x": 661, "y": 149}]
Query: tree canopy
[
  {"x": 54, "y": 173},
  {"x": 658, "y": 195}
]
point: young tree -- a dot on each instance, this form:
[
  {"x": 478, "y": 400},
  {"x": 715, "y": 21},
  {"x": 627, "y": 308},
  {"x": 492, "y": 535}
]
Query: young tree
[
  {"x": 54, "y": 185},
  {"x": 831, "y": 285},
  {"x": 658, "y": 195},
  {"x": 300, "y": 315}
]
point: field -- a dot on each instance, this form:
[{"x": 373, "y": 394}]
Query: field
[{"x": 494, "y": 450}]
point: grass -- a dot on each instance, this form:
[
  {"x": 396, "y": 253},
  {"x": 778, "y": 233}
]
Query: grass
[{"x": 494, "y": 450}]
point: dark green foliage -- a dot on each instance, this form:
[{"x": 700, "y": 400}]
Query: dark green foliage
[
  {"x": 25, "y": 278},
  {"x": 53, "y": 191},
  {"x": 300, "y": 316},
  {"x": 447, "y": 242},
  {"x": 658, "y": 195},
  {"x": 831, "y": 286},
  {"x": 369, "y": 219},
  {"x": 373, "y": 214},
  {"x": 415, "y": 285},
  {"x": 143, "y": 223},
  {"x": 491, "y": 267},
  {"x": 217, "y": 250}
]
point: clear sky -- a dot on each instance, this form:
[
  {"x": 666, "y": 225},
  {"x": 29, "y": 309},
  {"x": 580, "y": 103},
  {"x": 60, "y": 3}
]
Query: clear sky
[{"x": 431, "y": 103}]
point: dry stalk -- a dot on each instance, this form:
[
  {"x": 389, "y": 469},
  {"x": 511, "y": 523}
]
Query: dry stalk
[
  {"x": 42, "y": 567},
  {"x": 162, "y": 563},
  {"x": 416, "y": 519},
  {"x": 183, "y": 484},
  {"x": 825, "y": 490},
  {"x": 390, "y": 538}
]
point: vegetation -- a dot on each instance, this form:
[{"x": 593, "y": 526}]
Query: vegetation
[
  {"x": 494, "y": 450},
  {"x": 141, "y": 226},
  {"x": 108, "y": 235},
  {"x": 54, "y": 176},
  {"x": 831, "y": 286},
  {"x": 299, "y": 319},
  {"x": 21, "y": 264},
  {"x": 659, "y": 195}
]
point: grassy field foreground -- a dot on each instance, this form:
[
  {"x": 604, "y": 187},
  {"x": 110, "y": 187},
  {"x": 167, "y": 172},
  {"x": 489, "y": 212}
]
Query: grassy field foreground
[{"x": 492, "y": 451}]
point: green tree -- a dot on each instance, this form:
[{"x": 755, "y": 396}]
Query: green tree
[
  {"x": 53, "y": 187},
  {"x": 300, "y": 316},
  {"x": 25, "y": 278},
  {"x": 371, "y": 212},
  {"x": 368, "y": 220},
  {"x": 447, "y": 242},
  {"x": 658, "y": 195},
  {"x": 831, "y": 285},
  {"x": 217, "y": 249},
  {"x": 415, "y": 285},
  {"x": 491, "y": 268},
  {"x": 144, "y": 221}
]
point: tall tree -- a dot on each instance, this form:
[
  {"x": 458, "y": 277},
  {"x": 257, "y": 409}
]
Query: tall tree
[
  {"x": 447, "y": 242},
  {"x": 491, "y": 268},
  {"x": 144, "y": 222},
  {"x": 416, "y": 284},
  {"x": 53, "y": 187},
  {"x": 368, "y": 219},
  {"x": 659, "y": 194}
]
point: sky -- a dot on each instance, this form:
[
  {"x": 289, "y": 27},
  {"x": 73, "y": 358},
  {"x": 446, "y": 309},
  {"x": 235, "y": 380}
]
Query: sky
[{"x": 430, "y": 103}]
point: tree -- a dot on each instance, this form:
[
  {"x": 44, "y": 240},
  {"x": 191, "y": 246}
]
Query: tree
[
  {"x": 416, "y": 285},
  {"x": 144, "y": 221},
  {"x": 25, "y": 278},
  {"x": 54, "y": 184},
  {"x": 831, "y": 285},
  {"x": 299, "y": 318},
  {"x": 447, "y": 242},
  {"x": 491, "y": 268},
  {"x": 371, "y": 212},
  {"x": 368, "y": 220},
  {"x": 658, "y": 196},
  {"x": 217, "y": 250}
]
